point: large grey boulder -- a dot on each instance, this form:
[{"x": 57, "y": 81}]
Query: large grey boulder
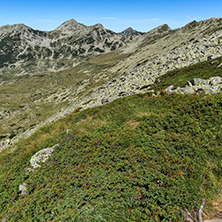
[
  {"x": 41, "y": 156},
  {"x": 4, "y": 144},
  {"x": 169, "y": 89},
  {"x": 215, "y": 80},
  {"x": 198, "y": 81}
]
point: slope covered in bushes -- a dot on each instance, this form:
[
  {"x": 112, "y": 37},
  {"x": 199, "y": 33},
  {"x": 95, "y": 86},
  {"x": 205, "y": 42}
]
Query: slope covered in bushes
[{"x": 138, "y": 158}]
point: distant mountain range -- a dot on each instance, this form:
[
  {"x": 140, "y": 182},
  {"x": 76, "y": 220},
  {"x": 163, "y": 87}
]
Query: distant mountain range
[
  {"x": 24, "y": 50},
  {"x": 66, "y": 46}
]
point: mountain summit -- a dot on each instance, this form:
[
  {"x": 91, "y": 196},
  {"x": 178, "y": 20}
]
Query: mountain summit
[
  {"x": 69, "y": 26},
  {"x": 128, "y": 31}
]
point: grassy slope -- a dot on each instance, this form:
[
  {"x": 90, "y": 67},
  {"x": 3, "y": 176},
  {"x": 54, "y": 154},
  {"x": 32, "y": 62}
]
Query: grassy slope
[
  {"x": 136, "y": 159},
  {"x": 26, "y": 102}
]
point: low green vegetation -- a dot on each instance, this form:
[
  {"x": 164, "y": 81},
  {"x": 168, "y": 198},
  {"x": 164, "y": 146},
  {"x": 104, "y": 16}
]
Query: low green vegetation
[{"x": 138, "y": 158}]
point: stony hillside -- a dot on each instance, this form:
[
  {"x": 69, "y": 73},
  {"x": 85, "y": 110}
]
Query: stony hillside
[{"x": 33, "y": 100}]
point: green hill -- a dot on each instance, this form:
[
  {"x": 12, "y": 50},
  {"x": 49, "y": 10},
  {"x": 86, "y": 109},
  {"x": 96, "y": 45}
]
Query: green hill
[{"x": 138, "y": 158}]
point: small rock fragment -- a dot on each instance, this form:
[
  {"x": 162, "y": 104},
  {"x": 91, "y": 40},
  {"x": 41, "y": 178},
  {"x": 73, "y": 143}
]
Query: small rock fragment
[{"x": 22, "y": 188}]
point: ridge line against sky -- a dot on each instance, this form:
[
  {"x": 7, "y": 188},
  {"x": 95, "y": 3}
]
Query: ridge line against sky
[{"x": 115, "y": 15}]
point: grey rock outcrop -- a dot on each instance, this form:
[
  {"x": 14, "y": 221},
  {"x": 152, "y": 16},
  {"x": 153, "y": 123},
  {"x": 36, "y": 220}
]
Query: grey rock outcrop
[
  {"x": 169, "y": 89},
  {"x": 197, "y": 85},
  {"x": 41, "y": 156},
  {"x": 5, "y": 143}
]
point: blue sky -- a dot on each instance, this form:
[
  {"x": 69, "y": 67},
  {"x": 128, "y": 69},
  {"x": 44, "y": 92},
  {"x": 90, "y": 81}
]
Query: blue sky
[{"x": 115, "y": 15}]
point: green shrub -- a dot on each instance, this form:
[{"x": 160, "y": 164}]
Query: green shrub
[{"x": 117, "y": 171}]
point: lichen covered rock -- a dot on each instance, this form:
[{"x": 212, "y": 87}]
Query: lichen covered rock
[{"x": 41, "y": 156}]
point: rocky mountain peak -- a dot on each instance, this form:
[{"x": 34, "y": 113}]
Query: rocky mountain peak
[
  {"x": 163, "y": 28},
  {"x": 212, "y": 23},
  {"x": 69, "y": 25},
  {"x": 18, "y": 28},
  {"x": 158, "y": 31},
  {"x": 128, "y": 31},
  {"x": 21, "y": 26},
  {"x": 98, "y": 25},
  {"x": 213, "y": 18},
  {"x": 192, "y": 24}
]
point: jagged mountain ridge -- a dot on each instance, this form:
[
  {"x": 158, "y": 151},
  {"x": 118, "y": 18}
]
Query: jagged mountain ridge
[
  {"x": 162, "y": 40},
  {"x": 24, "y": 50},
  {"x": 69, "y": 44}
]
